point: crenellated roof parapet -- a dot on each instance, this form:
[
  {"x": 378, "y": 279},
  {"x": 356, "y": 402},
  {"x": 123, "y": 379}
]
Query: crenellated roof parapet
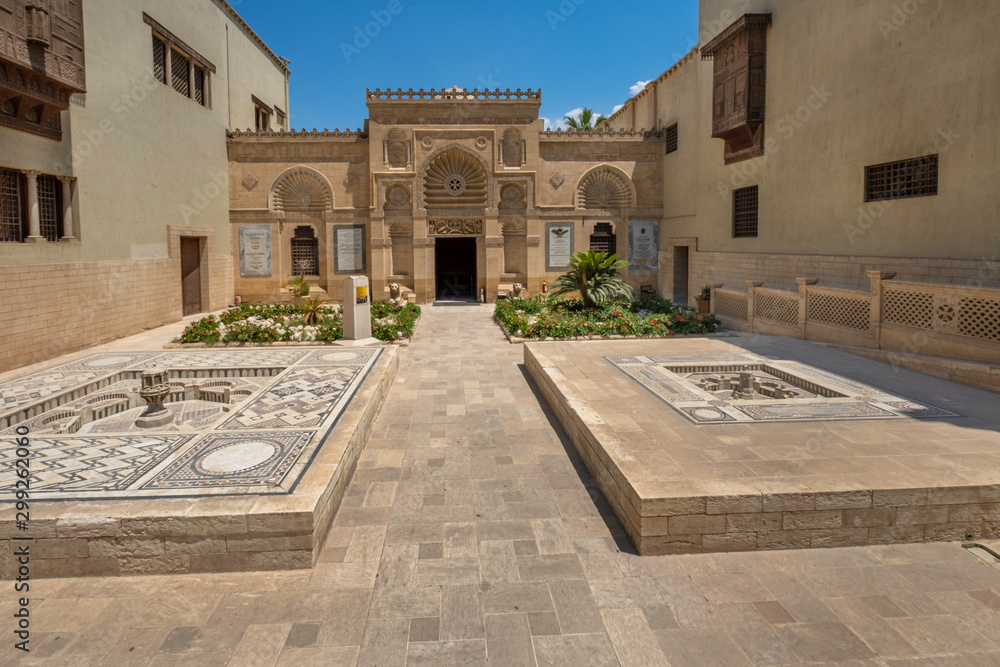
[
  {"x": 296, "y": 134},
  {"x": 600, "y": 134},
  {"x": 453, "y": 94}
]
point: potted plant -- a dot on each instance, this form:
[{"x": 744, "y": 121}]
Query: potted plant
[{"x": 704, "y": 300}]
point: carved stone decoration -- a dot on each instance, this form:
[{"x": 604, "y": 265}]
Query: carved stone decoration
[
  {"x": 249, "y": 182},
  {"x": 604, "y": 188},
  {"x": 740, "y": 55},
  {"x": 350, "y": 180},
  {"x": 427, "y": 143},
  {"x": 397, "y": 149},
  {"x": 481, "y": 143},
  {"x": 557, "y": 180},
  {"x": 512, "y": 148},
  {"x": 455, "y": 179},
  {"x": 397, "y": 197},
  {"x": 301, "y": 190},
  {"x": 945, "y": 314},
  {"x": 511, "y": 196},
  {"x": 454, "y": 227},
  {"x": 399, "y": 228},
  {"x": 512, "y": 227}
]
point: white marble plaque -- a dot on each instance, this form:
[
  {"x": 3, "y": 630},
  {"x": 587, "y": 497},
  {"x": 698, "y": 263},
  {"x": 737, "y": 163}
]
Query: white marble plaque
[
  {"x": 255, "y": 250},
  {"x": 559, "y": 238},
  {"x": 643, "y": 244},
  {"x": 349, "y": 248}
]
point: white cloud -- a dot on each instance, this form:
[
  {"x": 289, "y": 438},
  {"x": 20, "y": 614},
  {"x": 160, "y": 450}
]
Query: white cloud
[
  {"x": 618, "y": 107},
  {"x": 637, "y": 88}
]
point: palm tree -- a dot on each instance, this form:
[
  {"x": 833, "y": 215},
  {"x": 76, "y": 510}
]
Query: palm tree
[
  {"x": 595, "y": 276},
  {"x": 584, "y": 120}
]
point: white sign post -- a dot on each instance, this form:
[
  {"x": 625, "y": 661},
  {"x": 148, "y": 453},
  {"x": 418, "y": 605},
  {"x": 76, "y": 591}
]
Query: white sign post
[{"x": 357, "y": 312}]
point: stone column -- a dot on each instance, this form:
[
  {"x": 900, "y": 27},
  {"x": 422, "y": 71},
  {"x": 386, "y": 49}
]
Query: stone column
[
  {"x": 752, "y": 285},
  {"x": 875, "y": 314},
  {"x": 167, "y": 69},
  {"x": 34, "y": 222},
  {"x": 67, "y": 197},
  {"x": 803, "y": 301}
]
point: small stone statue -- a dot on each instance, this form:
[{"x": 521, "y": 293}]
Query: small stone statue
[
  {"x": 518, "y": 288},
  {"x": 396, "y": 293}
]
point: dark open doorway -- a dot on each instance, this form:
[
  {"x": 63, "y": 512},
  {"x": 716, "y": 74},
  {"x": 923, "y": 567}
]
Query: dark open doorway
[
  {"x": 191, "y": 274},
  {"x": 681, "y": 275},
  {"x": 455, "y": 262}
]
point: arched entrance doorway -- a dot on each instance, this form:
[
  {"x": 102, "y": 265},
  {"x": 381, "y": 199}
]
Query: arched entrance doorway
[{"x": 455, "y": 268}]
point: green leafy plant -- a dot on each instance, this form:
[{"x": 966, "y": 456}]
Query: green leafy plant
[
  {"x": 586, "y": 120},
  {"x": 312, "y": 312},
  {"x": 705, "y": 294},
  {"x": 595, "y": 276},
  {"x": 299, "y": 287}
]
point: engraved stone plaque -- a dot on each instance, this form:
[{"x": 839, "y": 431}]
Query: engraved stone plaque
[
  {"x": 643, "y": 244},
  {"x": 255, "y": 250},
  {"x": 349, "y": 248},
  {"x": 559, "y": 238}
]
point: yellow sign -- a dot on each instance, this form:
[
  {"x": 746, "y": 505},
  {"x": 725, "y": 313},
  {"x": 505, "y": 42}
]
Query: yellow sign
[{"x": 361, "y": 293}]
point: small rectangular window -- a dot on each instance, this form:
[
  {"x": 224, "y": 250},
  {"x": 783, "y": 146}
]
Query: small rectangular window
[
  {"x": 199, "y": 85},
  {"x": 48, "y": 207},
  {"x": 180, "y": 73},
  {"x": 745, "y": 212},
  {"x": 11, "y": 198},
  {"x": 916, "y": 177},
  {"x": 672, "y": 139},
  {"x": 159, "y": 59},
  {"x": 279, "y": 117}
]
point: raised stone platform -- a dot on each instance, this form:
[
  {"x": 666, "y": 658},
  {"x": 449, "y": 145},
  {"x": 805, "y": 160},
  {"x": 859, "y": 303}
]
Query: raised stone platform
[
  {"x": 705, "y": 445},
  {"x": 246, "y": 476}
]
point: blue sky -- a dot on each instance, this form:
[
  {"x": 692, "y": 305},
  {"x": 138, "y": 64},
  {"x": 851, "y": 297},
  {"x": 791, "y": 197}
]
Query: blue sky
[{"x": 579, "y": 52}]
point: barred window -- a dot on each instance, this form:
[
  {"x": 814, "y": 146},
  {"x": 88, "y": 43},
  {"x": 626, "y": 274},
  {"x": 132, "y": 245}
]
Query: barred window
[
  {"x": 48, "y": 207},
  {"x": 305, "y": 252},
  {"x": 603, "y": 239},
  {"x": 916, "y": 177},
  {"x": 262, "y": 119},
  {"x": 11, "y": 206},
  {"x": 745, "y": 212},
  {"x": 199, "y": 85},
  {"x": 159, "y": 59},
  {"x": 671, "y": 139},
  {"x": 180, "y": 73}
]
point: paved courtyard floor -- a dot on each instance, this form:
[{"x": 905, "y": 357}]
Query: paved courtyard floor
[{"x": 472, "y": 534}]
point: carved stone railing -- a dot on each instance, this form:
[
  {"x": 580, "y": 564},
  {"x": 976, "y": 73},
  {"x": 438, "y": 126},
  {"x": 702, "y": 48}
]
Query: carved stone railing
[
  {"x": 601, "y": 133},
  {"x": 453, "y": 94},
  {"x": 922, "y": 318}
]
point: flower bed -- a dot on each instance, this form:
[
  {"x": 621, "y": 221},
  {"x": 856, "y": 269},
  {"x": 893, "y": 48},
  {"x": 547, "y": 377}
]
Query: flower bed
[
  {"x": 539, "y": 318},
  {"x": 272, "y": 323}
]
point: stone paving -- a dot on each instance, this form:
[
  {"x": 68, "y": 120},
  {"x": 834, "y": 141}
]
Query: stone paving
[{"x": 472, "y": 534}]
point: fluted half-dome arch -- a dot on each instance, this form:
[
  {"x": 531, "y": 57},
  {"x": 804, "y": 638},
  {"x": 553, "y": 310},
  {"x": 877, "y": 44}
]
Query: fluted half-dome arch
[
  {"x": 455, "y": 179},
  {"x": 301, "y": 190},
  {"x": 605, "y": 188}
]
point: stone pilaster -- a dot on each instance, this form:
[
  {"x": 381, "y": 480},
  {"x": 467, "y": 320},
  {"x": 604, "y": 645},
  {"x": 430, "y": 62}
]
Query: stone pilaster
[
  {"x": 67, "y": 198},
  {"x": 752, "y": 286},
  {"x": 875, "y": 314},
  {"x": 804, "y": 284},
  {"x": 34, "y": 221}
]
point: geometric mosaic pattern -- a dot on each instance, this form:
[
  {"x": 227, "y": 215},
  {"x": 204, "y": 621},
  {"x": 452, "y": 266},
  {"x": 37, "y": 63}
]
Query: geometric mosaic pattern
[
  {"x": 282, "y": 405},
  {"x": 707, "y": 389},
  {"x": 66, "y": 465},
  {"x": 230, "y": 460}
]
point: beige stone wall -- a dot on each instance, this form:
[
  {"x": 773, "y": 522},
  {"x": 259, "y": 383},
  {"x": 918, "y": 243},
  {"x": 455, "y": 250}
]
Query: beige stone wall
[{"x": 849, "y": 85}]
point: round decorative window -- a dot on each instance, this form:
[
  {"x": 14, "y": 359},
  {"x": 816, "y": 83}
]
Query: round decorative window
[
  {"x": 398, "y": 196},
  {"x": 455, "y": 185}
]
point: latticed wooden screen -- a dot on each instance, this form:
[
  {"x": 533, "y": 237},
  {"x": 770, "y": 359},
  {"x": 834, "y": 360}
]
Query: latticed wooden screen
[
  {"x": 745, "y": 212},
  {"x": 10, "y": 205},
  {"x": 776, "y": 307},
  {"x": 732, "y": 306},
  {"x": 603, "y": 240},
  {"x": 842, "y": 311},
  {"x": 48, "y": 207},
  {"x": 914, "y": 309},
  {"x": 917, "y": 177},
  {"x": 159, "y": 60},
  {"x": 199, "y": 85},
  {"x": 979, "y": 318},
  {"x": 671, "y": 138},
  {"x": 305, "y": 257},
  {"x": 180, "y": 73}
]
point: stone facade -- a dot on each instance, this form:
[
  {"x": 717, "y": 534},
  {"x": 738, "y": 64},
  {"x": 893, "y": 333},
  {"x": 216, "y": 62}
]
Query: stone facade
[{"x": 446, "y": 187}]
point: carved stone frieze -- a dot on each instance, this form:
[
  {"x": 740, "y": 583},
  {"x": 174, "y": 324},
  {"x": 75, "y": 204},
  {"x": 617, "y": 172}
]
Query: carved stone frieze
[{"x": 454, "y": 227}]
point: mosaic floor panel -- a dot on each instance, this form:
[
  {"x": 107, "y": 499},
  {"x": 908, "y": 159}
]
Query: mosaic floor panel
[
  {"x": 244, "y": 421},
  {"x": 745, "y": 388}
]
